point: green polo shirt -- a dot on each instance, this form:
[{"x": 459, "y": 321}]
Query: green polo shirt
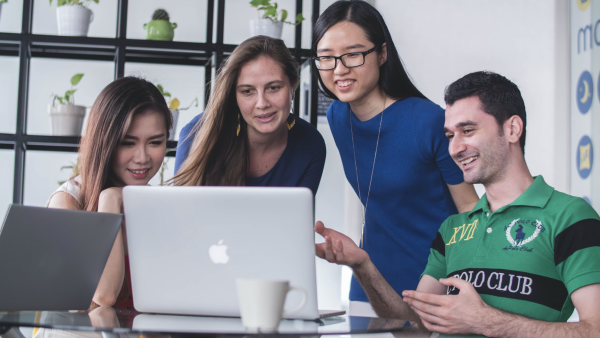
[{"x": 526, "y": 257}]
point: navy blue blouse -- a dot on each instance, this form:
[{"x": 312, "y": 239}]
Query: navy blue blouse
[{"x": 300, "y": 165}]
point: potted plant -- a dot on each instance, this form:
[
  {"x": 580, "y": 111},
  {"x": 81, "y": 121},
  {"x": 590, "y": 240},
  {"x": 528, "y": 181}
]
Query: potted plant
[
  {"x": 66, "y": 117},
  {"x": 1, "y": 2},
  {"x": 74, "y": 167},
  {"x": 74, "y": 17},
  {"x": 173, "y": 104},
  {"x": 160, "y": 28},
  {"x": 271, "y": 20}
]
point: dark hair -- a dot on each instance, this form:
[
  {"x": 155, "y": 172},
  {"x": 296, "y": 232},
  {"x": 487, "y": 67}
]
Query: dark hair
[
  {"x": 498, "y": 95},
  {"x": 393, "y": 78},
  {"x": 218, "y": 156},
  {"x": 108, "y": 122}
]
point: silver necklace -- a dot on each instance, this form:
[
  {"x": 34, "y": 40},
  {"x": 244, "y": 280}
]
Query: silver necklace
[{"x": 364, "y": 210}]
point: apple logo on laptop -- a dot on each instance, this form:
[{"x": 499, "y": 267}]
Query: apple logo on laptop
[{"x": 218, "y": 253}]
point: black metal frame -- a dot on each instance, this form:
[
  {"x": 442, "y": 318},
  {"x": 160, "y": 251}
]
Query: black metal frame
[{"x": 119, "y": 50}]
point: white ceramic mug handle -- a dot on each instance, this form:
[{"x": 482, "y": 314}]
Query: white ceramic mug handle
[{"x": 304, "y": 298}]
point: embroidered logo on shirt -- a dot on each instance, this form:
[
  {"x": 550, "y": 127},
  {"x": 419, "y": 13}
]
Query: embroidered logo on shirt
[
  {"x": 466, "y": 232},
  {"x": 519, "y": 240}
]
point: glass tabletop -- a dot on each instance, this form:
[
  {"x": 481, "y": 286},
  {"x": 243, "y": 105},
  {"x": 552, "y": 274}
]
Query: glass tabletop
[{"x": 127, "y": 320}]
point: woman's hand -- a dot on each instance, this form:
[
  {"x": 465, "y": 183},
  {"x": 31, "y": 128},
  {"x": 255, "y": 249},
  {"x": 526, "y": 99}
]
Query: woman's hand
[
  {"x": 104, "y": 317},
  {"x": 111, "y": 201}
]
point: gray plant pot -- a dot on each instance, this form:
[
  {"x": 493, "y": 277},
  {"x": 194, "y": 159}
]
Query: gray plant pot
[
  {"x": 67, "y": 119},
  {"x": 266, "y": 27},
  {"x": 175, "y": 114},
  {"x": 73, "y": 20}
]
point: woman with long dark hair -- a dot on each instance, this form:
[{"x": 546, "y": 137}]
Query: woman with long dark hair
[
  {"x": 124, "y": 144},
  {"x": 247, "y": 135},
  {"x": 391, "y": 141}
]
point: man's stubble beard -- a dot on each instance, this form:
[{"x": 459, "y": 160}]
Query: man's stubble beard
[{"x": 494, "y": 163}]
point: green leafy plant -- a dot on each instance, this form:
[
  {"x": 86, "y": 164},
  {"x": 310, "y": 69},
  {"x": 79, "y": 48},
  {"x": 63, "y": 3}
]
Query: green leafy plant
[
  {"x": 269, "y": 11},
  {"x": 3, "y": 1},
  {"x": 164, "y": 167},
  {"x": 82, "y": 3},
  {"x": 174, "y": 103},
  {"x": 69, "y": 97},
  {"x": 74, "y": 168}
]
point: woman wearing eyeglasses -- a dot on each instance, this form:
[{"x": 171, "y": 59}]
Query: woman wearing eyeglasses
[{"x": 391, "y": 141}]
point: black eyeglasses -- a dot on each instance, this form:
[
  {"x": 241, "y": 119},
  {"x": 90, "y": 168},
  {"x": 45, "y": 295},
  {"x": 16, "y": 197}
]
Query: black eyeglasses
[{"x": 349, "y": 60}]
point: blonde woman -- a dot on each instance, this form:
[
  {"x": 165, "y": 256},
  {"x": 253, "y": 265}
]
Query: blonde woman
[{"x": 247, "y": 135}]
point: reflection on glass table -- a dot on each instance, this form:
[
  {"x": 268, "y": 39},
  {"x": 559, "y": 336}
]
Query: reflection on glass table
[{"x": 127, "y": 320}]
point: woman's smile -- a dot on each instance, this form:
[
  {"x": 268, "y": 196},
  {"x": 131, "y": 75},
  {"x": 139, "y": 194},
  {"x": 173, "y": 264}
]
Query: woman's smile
[
  {"x": 265, "y": 118},
  {"x": 139, "y": 173}
]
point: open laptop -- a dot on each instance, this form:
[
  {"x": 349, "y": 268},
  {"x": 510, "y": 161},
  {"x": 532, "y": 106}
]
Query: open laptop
[
  {"x": 188, "y": 245},
  {"x": 52, "y": 259}
]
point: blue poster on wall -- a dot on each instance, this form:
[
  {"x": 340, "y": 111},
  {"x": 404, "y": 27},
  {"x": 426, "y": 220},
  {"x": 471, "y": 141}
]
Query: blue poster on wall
[
  {"x": 585, "y": 92},
  {"x": 585, "y": 157}
]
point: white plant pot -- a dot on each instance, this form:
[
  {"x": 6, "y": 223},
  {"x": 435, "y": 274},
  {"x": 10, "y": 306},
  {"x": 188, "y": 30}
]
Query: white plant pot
[
  {"x": 73, "y": 20},
  {"x": 266, "y": 27},
  {"x": 175, "y": 113},
  {"x": 67, "y": 119}
]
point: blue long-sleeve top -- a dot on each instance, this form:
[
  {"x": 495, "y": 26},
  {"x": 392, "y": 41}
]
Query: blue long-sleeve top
[{"x": 300, "y": 165}]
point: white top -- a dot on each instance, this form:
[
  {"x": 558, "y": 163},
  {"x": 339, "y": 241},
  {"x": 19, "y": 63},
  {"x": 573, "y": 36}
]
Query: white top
[{"x": 71, "y": 187}]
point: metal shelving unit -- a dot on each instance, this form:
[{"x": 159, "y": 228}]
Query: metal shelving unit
[{"x": 119, "y": 50}]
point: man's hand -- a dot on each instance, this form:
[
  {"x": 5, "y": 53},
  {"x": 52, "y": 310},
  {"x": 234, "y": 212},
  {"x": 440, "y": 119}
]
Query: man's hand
[
  {"x": 450, "y": 314},
  {"x": 339, "y": 248}
]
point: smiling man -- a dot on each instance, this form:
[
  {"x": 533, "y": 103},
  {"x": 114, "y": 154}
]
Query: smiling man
[{"x": 520, "y": 261}]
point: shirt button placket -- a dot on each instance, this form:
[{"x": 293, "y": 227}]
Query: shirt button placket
[{"x": 483, "y": 241}]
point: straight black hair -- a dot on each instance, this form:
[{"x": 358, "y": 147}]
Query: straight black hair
[
  {"x": 499, "y": 97},
  {"x": 393, "y": 78}
]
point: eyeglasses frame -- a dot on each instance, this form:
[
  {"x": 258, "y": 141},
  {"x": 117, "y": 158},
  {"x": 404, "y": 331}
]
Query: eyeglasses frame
[{"x": 336, "y": 58}]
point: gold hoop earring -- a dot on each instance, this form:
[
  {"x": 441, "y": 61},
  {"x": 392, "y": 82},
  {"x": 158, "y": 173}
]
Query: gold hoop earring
[
  {"x": 290, "y": 122},
  {"x": 238, "y": 126}
]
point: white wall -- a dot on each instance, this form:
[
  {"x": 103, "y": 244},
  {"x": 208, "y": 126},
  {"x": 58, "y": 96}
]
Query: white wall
[
  {"x": 526, "y": 41},
  {"x": 7, "y": 165},
  {"x": 9, "y": 70},
  {"x": 11, "y": 17}
]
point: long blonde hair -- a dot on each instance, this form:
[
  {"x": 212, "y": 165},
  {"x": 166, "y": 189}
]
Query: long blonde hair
[{"x": 217, "y": 156}]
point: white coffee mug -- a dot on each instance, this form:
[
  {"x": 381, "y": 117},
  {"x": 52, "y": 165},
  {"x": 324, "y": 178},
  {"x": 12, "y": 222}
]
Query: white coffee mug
[{"x": 261, "y": 303}]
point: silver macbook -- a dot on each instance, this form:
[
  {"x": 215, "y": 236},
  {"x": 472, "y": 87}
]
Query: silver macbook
[
  {"x": 188, "y": 245},
  {"x": 52, "y": 259}
]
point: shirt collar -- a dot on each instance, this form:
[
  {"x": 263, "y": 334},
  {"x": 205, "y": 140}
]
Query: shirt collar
[{"x": 537, "y": 195}]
